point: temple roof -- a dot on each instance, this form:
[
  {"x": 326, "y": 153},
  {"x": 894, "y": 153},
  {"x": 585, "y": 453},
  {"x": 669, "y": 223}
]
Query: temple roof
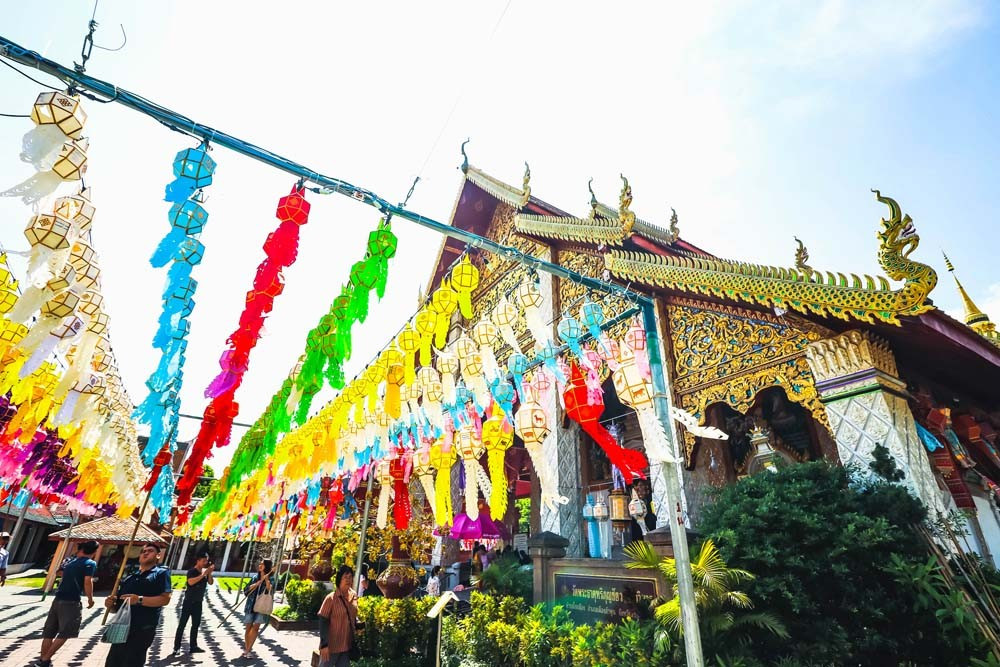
[{"x": 110, "y": 530}]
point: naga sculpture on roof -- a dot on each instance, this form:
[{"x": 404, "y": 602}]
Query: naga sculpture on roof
[{"x": 802, "y": 288}]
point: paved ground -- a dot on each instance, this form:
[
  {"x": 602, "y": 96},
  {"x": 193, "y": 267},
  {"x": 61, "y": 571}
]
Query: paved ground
[{"x": 22, "y": 615}]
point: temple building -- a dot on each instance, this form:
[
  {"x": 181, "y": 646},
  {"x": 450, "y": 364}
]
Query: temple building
[{"x": 791, "y": 362}]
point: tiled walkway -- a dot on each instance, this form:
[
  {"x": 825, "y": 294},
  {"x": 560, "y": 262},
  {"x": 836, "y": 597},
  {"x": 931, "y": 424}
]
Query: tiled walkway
[{"x": 23, "y": 612}]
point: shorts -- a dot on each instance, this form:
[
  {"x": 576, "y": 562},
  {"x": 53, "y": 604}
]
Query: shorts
[
  {"x": 253, "y": 617},
  {"x": 64, "y": 619}
]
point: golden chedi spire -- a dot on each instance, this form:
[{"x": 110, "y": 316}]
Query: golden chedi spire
[{"x": 977, "y": 320}]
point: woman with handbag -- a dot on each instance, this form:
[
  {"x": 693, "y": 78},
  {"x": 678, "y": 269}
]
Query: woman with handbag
[
  {"x": 338, "y": 619},
  {"x": 259, "y": 603}
]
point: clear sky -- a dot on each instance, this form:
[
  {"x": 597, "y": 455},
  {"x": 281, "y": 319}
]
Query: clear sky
[{"x": 757, "y": 121}]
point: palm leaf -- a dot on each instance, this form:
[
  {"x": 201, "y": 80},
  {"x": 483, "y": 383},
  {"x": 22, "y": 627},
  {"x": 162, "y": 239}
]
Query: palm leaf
[
  {"x": 641, "y": 556},
  {"x": 763, "y": 620}
]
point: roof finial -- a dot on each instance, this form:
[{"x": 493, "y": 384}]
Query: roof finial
[
  {"x": 465, "y": 158},
  {"x": 625, "y": 214},
  {"x": 674, "y": 230},
  {"x": 525, "y": 186},
  {"x": 593, "y": 198},
  {"x": 975, "y": 318},
  {"x": 802, "y": 257}
]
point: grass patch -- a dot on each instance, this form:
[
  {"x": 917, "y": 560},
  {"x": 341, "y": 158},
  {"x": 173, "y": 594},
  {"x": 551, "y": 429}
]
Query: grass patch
[
  {"x": 27, "y": 582},
  {"x": 230, "y": 584}
]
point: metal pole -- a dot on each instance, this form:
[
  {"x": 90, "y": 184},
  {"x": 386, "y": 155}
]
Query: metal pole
[
  {"x": 364, "y": 530},
  {"x": 121, "y": 568},
  {"x": 16, "y": 533},
  {"x": 281, "y": 553},
  {"x": 678, "y": 532}
]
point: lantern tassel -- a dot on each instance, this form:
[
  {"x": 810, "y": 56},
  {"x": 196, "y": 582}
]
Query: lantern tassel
[
  {"x": 382, "y": 516},
  {"x": 498, "y": 479},
  {"x": 168, "y": 247},
  {"x": 40, "y": 146},
  {"x": 35, "y": 188}
]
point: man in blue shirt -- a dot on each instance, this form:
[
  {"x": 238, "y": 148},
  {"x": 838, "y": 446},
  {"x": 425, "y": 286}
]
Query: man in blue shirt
[
  {"x": 66, "y": 612},
  {"x": 146, "y": 591}
]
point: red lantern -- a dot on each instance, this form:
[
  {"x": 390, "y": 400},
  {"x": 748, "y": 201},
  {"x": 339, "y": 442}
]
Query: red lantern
[{"x": 294, "y": 207}]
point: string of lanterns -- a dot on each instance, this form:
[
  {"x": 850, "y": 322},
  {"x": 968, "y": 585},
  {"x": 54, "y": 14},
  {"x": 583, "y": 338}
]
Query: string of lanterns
[{"x": 65, "y": 426}]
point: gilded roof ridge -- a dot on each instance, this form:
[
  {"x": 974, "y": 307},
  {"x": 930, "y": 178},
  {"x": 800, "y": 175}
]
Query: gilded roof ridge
[
  {"x": 804, "y": 290},
  {"x": 506, "y": 193}
]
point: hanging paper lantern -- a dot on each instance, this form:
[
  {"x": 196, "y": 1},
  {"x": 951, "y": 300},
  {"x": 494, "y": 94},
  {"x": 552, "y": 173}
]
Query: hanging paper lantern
[
  {"x": 529, "y": 300},
  {"x": 503, "y": 316},
  {"x": 447, "y": 365},
  {"x": 382, "y": 247},
  {"x": 384, "y": 478},
  {"x": 583, "y": 409},
  {"x": 592, "y": 317},
  {"x": 637, "y": 392},
  {"x": 399, "y": 471},
  {"x": 58, "y": 117},
  {"x": 79, "y": 210},
  {"x": 408, "y": 341},
  {"x": 531, "y": 423},
  {"x": 71, "y": 163},
  {"x": 425, "y": 324},
  {"x": 498, "y": 436},
  {"x": 444, "y": 301},
  {"x": 48, "y": 234},
  {"x": 193, "y": 170},
  {"x": 517, "y": 365},
  {"x": 470, "y": 448},
  {"x": 442, "y": 458},
  {"x": 464, "y": 280},
  {"x": 8, "y": 287},
  {"x": 570, "y": 331},
  {"x": 424, "y": 471},
  {"x": 487, "y": 336}
]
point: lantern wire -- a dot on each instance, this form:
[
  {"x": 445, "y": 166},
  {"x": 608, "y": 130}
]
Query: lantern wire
[{"x": 27, "y": 76}]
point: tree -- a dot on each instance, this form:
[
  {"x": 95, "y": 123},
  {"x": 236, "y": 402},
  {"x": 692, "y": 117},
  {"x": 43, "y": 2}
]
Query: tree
[
  {"x": 205, "y": 483},
  {"x": 826, "y": 553},
  {"x": 724, "y": 612}
]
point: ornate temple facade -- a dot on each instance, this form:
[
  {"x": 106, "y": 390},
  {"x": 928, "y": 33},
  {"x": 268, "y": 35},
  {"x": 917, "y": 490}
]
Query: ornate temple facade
[{"x": 791, "y": 362}]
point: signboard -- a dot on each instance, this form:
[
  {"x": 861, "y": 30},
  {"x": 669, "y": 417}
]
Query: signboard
[
  {"x": 521, "y": 542},
  {"x": 592, "y": 599}
]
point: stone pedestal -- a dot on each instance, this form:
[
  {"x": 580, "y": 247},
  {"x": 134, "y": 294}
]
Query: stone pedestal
[
  {"x": 542, "y": 548},
  {"x": 660, "y": 540},
  {"x": 865, "y": 402}
]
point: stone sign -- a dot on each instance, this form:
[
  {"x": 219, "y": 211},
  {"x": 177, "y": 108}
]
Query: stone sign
[{"x": 595, "y": 598}]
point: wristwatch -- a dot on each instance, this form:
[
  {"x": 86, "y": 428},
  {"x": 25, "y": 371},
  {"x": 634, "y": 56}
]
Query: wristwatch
[{"x": 140, "y": 600}]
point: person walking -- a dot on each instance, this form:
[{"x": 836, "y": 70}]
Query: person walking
[
  {"x": 4, "y": 557},
  {"x": 66, "y": 613},
  {"x": 146, "y": 591},
  {"x": 338, "y": 616},
  {"x": 198, "y": 579},
  {"x": 261, "y": 583}
]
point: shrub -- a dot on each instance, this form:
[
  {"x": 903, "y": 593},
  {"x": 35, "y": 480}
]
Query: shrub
[
  {"x": 507, "y": 577},
  {"x": 831, "y": 558},
  {"x": 396, "y": 631},
  {"x": 304, "y": 598}
]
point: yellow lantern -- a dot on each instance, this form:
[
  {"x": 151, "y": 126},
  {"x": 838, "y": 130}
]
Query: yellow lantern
[
  {"x": 464, "y": 280},
  {"x": 498, "y": 436},
  {"x": 426, "y": 324},
  {"x": 442, "y": 458},
  {"x": 394, "y": 380},
  {"x": 444, "y": 301},
  {"x": 408, "y": 342}
]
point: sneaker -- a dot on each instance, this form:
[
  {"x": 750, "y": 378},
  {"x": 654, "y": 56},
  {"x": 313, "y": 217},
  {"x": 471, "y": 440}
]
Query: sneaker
[
  {"x": 197, "y": 649},
  {"x": 177, "y": 652}
]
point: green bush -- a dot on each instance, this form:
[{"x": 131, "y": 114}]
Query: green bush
[
  {"x": 507, "y": 577},
  {"x": 834, "y": 558},
  {"x": 396, "y": 632},
  {"x": 501, "y": 632},
  {"x": 304, "y": 598}
]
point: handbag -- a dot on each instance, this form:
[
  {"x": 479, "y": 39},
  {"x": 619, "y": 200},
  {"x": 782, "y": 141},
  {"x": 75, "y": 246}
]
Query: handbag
[
  {"x": 116, "y": 632},
  {"x": 264, "y": 603},
  {"x": 354, "y": 652}
]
